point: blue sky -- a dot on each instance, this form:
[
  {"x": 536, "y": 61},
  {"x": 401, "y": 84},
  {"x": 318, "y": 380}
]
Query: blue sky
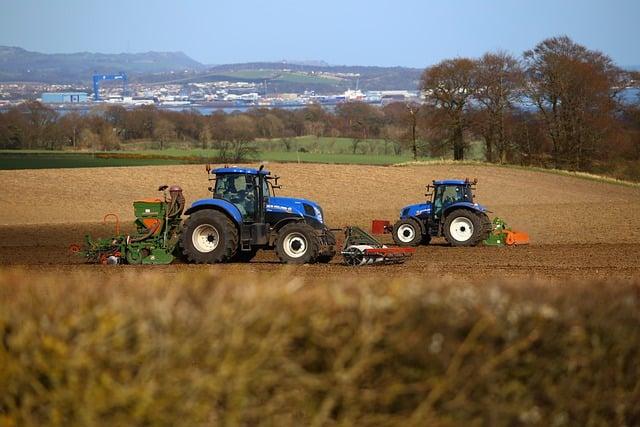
[{"x": 375, "y": 32}]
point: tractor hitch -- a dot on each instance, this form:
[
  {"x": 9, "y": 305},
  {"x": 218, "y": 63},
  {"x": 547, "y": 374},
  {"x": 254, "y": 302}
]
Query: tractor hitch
[{"x": 381, "y": 226}]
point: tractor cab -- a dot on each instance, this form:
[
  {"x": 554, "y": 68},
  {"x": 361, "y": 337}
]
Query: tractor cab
[
  {"x": 445, "y": 193},
  {"x": 246, "y": 189}
]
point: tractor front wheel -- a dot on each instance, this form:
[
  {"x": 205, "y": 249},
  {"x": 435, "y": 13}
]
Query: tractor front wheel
[
  {"x": 407, "y": 232},
  {"x": 297, "y": 243},
  {"x": 463, "y": 227},
  {"x": 209, "y": 237}
]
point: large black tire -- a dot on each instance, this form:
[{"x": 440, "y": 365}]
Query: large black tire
[
  {"x": 407, "y": 232},
  {"x": 209, "y": 237},
  {"x": 487, "y": 226},
  {"x": 297, "y": 243},
  {"x": 463, "y": 227}
]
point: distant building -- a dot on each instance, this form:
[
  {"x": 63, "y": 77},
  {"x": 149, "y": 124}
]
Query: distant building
[{"x": 64, "y": 97}]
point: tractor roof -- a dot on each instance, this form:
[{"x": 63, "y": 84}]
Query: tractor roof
[
  {"x": 245, "y": 171},
  {"x": 451, "y": 182}
]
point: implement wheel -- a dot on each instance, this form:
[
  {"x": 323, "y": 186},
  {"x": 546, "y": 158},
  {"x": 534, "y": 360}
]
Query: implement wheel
[
  {"x": 209, "y": 237},
  {"x": 407, "y": 232}
]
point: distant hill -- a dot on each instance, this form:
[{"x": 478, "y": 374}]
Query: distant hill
[
  {"x": 298, "y": 77},
  {"x": 17, "y": 64}
]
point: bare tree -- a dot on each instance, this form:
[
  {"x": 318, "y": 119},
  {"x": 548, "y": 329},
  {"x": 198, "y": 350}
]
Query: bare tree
[
  {"x": 359, "y": 121},
  {"x": 13, "y": 129},
  {"x": 41, "y": 120},
  {"x": 70, "y": 125},
  {"x": 163, "y": 131},
  {"x": 498, "y": 86},
  {"x": 204, "y": 135},
  {"x": 269, "y": 126},
  {"x": 575, "y": 90},
  {"x": 449, "y": 86},
  {"x": 413, "y": 110},
  {"x": 239, "y": 133}
]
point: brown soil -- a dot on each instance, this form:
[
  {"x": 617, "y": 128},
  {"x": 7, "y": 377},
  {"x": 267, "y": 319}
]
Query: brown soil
[{"x": 579, "y": 228}]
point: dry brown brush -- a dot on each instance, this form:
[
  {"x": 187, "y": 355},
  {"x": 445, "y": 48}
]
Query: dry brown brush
[{"x": 194, "y": 349}]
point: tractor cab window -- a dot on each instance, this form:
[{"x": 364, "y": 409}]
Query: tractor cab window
[
  {"x": 446, "y": 195},
  {"x": 266, "y": 190},
  {"x": 239, "y": 189}
]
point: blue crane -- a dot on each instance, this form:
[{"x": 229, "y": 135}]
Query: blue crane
[{"x": 97, "y": 78}]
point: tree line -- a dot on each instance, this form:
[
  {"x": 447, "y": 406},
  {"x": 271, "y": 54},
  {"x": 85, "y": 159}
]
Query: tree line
[{"x": 557, "y": 105}]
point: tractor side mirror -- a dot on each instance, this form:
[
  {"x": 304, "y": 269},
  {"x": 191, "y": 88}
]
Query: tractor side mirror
[{"x": 429, "y": 190}]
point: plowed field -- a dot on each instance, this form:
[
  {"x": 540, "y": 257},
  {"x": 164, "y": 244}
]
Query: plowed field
[{"x": 579, "y": 228}]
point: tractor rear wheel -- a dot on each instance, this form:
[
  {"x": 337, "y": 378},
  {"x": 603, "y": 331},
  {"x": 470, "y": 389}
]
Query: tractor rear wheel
[
  {"x": 407, "y": 232},
  {"x": 209, "y": 237},
  {"x": 297, "y": 243},
  {"x": 464, "y": 227}
]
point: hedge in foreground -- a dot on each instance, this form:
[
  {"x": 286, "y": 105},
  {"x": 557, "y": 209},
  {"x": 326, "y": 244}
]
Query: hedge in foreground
[{"x": 205, "y": 350}]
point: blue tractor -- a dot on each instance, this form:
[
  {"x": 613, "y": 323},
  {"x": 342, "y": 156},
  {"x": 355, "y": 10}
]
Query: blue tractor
[
  {"x": 450, "y": 212},
  {"x": 244, "y": 215}
]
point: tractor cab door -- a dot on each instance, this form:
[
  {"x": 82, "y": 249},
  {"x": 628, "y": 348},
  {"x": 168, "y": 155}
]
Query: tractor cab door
[
  {"x": 446, "y": 195},
  {"x": 242, "y": 190}
]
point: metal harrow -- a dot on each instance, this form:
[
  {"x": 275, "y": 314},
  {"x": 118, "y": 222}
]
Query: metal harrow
[{"x": 361, "y": 248}]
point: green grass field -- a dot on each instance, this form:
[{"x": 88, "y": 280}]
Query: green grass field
[
  {"x": 309, "y": 149},
  {"x": 305, "y": 78},
  {"x": 356, "y": 159},
  {"x": 57, "y": 160},
  {"x": 275, "y": 75},
  {"x": 310, "y": 144},
  {"x": 48, "y": 160}
]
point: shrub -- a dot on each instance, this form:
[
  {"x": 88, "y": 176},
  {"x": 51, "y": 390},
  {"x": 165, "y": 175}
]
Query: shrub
[{"x": 142, "y": 349}]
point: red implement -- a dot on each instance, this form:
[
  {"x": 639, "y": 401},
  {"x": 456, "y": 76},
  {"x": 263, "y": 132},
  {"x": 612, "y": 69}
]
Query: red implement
[{"x": 380, "y": 226}]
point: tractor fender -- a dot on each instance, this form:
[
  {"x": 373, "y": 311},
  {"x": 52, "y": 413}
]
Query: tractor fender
[
  {"x": 463, "y": 205},
  {"x": 275, "y": 228},
  {"x": 284, "y": 221},
  {"x": 221, "y": 205},
  {"x": 418, "y": 212},
  {"x": 420, "y": 221}
]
